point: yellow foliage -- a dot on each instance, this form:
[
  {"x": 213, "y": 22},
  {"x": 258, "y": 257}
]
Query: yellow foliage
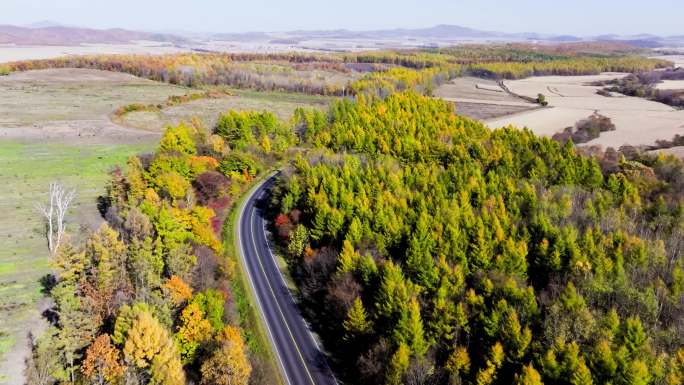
[
  {"x": 149, "y": 347},
  {"x": 200, "y": 164},
  {"x": 178, "y": 289},
  {"x": 458, "y": 361},
  {"x": 193, "y": 330},
  {"x": 229, "y": 364}
]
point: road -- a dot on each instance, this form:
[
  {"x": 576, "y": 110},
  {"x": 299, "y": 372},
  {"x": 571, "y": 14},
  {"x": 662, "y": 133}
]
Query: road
[{"x": 298, "y": 354}]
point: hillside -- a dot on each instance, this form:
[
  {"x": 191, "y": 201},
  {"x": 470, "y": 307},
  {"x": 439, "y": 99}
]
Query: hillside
[{"x": 60, "y": 35}]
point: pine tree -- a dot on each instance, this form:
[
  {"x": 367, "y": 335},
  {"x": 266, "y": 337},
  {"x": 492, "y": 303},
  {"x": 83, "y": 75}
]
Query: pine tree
[
  {"x": 409, "y": 329},
  {"x": 581, "y": 375},
  {"x": 487, "y": 375},
  {"x": 528, "y": 376},
  {"x": 398, "y": 365},
  {"x": 356, "y": 323}
]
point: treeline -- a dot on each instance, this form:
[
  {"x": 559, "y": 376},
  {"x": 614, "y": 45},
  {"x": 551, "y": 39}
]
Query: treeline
[
  {"x": 437, "y": 251},
  {"x": 643, "y": 85},
  {"x": 398, "y": 79},
  {"x": 194, "y": 70},
  {"x": 151, "y": 297},
  {"x": 566, "y": 67},
  {"x": 340, "y": 75},
  {"x": 585, "y": 129},
  {"x": 171, "y": 101}
]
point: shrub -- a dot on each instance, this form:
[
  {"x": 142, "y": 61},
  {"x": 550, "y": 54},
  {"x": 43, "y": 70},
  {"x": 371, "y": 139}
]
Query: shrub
[
  {"x": 239, "y": 163},
  {"x": 210, "y": 186},
  {"x": 541, "y": 99}
]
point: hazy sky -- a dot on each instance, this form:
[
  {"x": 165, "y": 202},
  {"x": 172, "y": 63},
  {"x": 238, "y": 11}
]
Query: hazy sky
[{"x": 580, "y": 17}]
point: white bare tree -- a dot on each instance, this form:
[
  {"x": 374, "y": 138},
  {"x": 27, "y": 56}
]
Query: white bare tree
[{"x": 54, "y": 213}]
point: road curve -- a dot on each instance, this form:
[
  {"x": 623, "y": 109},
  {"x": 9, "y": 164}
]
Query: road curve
[{"x": 299, "y": 356}]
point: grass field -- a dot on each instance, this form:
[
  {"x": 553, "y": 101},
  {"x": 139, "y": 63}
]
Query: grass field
[
  {"x": 55, "y": 126},
  {"x": 208, "y": 110},
  {"x": 27, "y": 169}
]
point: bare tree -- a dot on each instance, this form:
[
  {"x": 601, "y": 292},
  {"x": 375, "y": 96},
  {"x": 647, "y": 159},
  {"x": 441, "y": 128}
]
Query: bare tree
[{"x": 54, "y": 213}]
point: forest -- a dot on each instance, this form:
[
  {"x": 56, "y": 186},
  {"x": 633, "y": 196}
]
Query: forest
[
  {"x": 429, "y": 249},
  {"x": 348, "y": 74}
]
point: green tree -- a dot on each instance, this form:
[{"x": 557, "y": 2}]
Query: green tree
[
  {"x": 398, "y": 365},
  {"x": 356, "y": 323}
]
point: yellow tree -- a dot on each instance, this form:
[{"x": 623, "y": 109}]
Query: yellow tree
[
  {"x": 150, "y": 348},
  {"x": 528, "y": 376},
  {"x": 398, "y": 365},
  {"x": 357, "y": 322},
  {"x": 179, "y": 291},
  {"x": 229, "y": 364},
  {"x": 192, "y": 331}
]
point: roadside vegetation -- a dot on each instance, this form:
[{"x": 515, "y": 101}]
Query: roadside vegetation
[{"x": 153, "y": 294}]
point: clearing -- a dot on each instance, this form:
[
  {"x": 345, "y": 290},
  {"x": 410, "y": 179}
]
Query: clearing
[
  {"x": 54, "y": 125},
  {"x": 481, "y": 99},
  {"x": 208, "y": 110},
  {"x": 638, "y": 121}
]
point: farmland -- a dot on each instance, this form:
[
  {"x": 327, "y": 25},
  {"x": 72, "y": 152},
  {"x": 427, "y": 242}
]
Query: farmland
[
  {"x": 638, "y": 121},
  {"x": 481, "y": 99}
]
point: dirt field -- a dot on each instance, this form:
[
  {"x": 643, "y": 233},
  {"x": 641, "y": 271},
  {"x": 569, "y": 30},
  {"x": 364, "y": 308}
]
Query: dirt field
[
  {"x": 481, "y": 99},
  {"x": 62, "y": 103},
  {"x": 15, "y": 53},
  {"x": 671, "y": 85},
  {"x": 638, "y": 121},
  {"x": 676, "y": 151}
]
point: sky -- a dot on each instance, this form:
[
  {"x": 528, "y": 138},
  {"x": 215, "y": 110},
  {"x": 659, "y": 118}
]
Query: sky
[{"x": 577, "y": 17}]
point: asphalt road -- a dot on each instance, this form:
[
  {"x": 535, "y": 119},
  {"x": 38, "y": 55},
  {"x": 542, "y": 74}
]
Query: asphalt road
[{"x": 298, "y": 354}]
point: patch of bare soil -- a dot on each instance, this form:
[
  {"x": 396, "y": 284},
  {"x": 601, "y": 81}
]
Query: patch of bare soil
[
  {"x": 74, "y": 105},
  {"x": 482, "y": 99},
  {"x": 484, "y": 111}
]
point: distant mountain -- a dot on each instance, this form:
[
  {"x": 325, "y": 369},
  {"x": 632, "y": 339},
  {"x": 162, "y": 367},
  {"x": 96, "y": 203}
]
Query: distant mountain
[
  {"x": 442, "y": 32},
  {"x": 44, "y": 24},
  {"x": 61, "y": 35}
]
